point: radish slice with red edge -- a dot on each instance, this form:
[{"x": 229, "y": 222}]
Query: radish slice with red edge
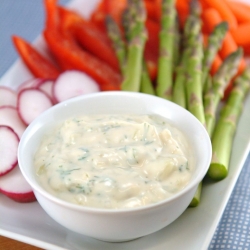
[
  {"x": 14, "y": 186},
  {"x": 9, "y": 141},
  {"x": 9, "y": 117},
  {"x": 73, "y": 83},
  {"x": 8, "y": 97},
  {"x": 31, "y": 83},
  {"x": 47, "y": 87},
  {"x": 31, "y": 103}
]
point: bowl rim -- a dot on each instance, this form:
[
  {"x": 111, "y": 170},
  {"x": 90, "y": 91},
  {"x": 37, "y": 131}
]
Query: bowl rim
[{"x": 37, "y": 188}]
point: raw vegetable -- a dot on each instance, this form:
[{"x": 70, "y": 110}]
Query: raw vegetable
[
  {"x": 240, "y": 10},
  {"x": 73, "y": 83},
  {"x": 118, "y": 42},
  {"x": 179, "y": 88},
  {"x": 225, "y": 129},
  {"x": 194, "y": 73},
  {"x": 225, "y": 12},
  {"x": 216, "y": 64},
  {"x": 31, "y": 83},
  {"x": 194, "y": 66},
  {"x": 136, "y": 42},
  {"x": 214, "y": 43},
  {"x": 220, "y": 81},
  {"x": 146, "y": 83},
  {"x": 38, "y": 64},
  {"x": 47, "y": 87},
  {"x": 8, "y": 97},
  {"x": 71, "y": 56},
  {"x": 10, "y": 117},
  {"x": 89, "y": 37},
  {"x": 166, "y": 53},
  {"x": 211, "y": 18},
  {"x": 8, "y": 149},
  {"x": 240, "y": 35},
  {"x": 14, "y": 186},
  {"x": 120, "y": 47},
  {"x": 31, "y": 103}
]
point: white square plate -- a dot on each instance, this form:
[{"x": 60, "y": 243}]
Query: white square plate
[{"x": 193, "y": 230}]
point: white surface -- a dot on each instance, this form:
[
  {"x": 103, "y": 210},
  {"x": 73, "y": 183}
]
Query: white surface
[{"x": 193, "y": 230}]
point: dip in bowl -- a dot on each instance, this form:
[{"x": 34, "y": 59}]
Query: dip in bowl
[{"x": 113, "y": 213}]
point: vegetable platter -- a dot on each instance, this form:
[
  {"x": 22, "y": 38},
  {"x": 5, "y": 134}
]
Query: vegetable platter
[{"x": 25, "y": 217}]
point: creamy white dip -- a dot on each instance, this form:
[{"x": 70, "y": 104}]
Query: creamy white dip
[{"x": 114, "y": 161}]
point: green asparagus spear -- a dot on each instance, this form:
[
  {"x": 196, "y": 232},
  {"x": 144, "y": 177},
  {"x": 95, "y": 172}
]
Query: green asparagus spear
[
  {"x": 118, "y": 43},
  {"x": 223, "y": 135},
  {"x": 215, "y": 40},
  {"x": 165, "y": 61},
  {"x": 194, "y": 84},
  {"x": 196, "y": 199},
  {"x": 220, "y": 80},
  {"x": 194, "y": 96},
  {"x": 146, "y": 83},
  {"x": 193, "y": 65},
  {"x": 208, "y": 83},
  {"x": 136, "y": 43},
  {"x": 179, "y": 92},
  {"x": 192, "y": 28},
  {"x": 177, "y": 40}
]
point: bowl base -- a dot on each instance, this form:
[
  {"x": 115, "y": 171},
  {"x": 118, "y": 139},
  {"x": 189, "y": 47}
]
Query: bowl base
[{"x": 118, "y": 241}]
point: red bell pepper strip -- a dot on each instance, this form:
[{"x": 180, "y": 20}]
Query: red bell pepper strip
[
  {"x": 71, "y": 56},
  {"x": 38, "y": 65},
  {"x": 52, "y": 16},
  {"x": 74, "y": 57},
  {"x": 89, "y": 37},
  {"x": 153, "y": 10},
  {"x": 98, "y": 16},
  {"x": 152, "y": 47}
]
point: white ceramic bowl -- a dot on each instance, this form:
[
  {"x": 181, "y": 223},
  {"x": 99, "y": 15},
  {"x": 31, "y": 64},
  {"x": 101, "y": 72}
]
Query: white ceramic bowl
[{"x": 124, "y": 224}]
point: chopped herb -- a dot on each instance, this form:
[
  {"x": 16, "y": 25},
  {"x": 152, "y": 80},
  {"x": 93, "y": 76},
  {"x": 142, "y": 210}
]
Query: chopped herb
[
  {"x": 64, "y": 173},
  {"x": 183, "y": 167}
]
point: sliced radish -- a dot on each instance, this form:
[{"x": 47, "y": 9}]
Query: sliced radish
[
  {"x": 9, "y": 141},
  {"x": 47, "y": 87},
  {"x": 8, "y": 97},
  {"x": 32, "y": 83},
  {"x": 16, "y": 187},
  {"x": 31, "y": 103},
  {"x": 73, "y": 83},
  {"x": 9, "y": 117}
]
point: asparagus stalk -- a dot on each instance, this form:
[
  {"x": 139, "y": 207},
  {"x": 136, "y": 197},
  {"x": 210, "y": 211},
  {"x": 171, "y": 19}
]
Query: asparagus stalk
[
  {"x": 194, "y": 84},
  {"x": 118, "y": 43},
  {"x": 196, "y": 199},
  {"x": 225, "y": 128},
  {"x": 208, "y": 83},
  {"x": 191, "y": 30},
  {"x": 194, "y": 96},
  {"x": 165, "y": 61},
  {"x": 146, "y": 83},
  {"x": 136, "y": 43},
  {"x": 179, "y": 91},
  {"x": 193, "y": 65},
  {"x": 220, "y": 80},
  {"x": 215, "y": 40},
  {"x": 177, "y": 40}
]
